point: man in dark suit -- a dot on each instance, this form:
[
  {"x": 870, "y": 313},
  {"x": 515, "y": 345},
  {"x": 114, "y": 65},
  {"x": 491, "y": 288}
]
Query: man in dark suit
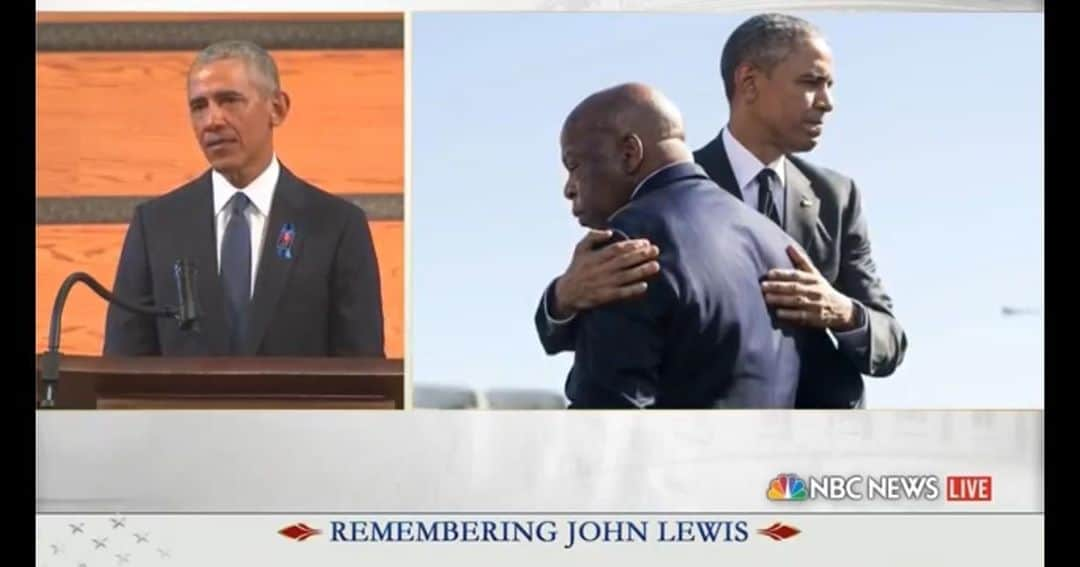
[
  {"x": 284, "y": 268},
  {"x": 777, "y": 73},
  {"x": 701, "y": 335}
]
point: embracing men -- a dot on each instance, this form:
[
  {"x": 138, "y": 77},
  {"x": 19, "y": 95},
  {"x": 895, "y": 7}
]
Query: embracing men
[{"x": 759, "y": 293}]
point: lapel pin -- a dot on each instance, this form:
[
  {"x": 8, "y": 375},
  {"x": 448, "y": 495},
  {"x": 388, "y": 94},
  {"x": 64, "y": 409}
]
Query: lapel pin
[
  {"x": 806, "y": 202},
  {"x": 285, "y": 241}
]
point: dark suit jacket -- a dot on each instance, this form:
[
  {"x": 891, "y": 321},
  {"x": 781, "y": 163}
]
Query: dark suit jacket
[
  {"x": 833, "y": 231},
  {"x": 702, "y": 335},
  {"x": 324, "y": 301}
]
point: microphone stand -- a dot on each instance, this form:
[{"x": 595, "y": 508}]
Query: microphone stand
[{"x": 50, "y": 361}]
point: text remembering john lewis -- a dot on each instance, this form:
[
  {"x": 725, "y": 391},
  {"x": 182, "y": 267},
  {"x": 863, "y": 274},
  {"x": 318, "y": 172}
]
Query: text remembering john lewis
[{"x": 568, "y": 534}]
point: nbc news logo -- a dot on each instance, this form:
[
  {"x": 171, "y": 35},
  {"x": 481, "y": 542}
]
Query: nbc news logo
[
  {"x": 787, "y": 487},
  {"x": 791, "y": 487}
]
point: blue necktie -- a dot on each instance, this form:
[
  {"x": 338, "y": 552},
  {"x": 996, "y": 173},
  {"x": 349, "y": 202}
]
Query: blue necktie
[
  {"x": 236, "y": 270},
  {"x": 767, "y": 180}
]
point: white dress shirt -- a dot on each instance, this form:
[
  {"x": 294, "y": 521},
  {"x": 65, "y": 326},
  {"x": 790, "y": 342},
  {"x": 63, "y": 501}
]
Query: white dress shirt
[
  {"x": 746, "y": 168},
  {"x": 261, "y": 194}
]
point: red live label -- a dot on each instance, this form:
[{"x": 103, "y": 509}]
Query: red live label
[{"x": 972, "y": 488}]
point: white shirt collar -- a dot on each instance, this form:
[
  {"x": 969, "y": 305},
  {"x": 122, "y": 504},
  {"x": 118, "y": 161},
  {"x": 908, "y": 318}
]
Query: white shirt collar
[
  {"x": 745, "y": 165},
  {"x": 260, "y": 191},
  {"x": 653, "y": 174}
]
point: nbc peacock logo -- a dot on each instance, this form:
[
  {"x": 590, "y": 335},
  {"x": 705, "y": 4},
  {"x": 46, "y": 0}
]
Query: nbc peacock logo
[{"x": 787, "y": 486}]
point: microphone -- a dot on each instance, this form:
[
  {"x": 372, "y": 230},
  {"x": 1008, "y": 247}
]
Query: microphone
[
  {"x": 187, "y": 312},
  {"x": 186, "y": 315}
]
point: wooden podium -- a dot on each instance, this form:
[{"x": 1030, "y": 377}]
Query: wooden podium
[{"x": 93, "y": 382}]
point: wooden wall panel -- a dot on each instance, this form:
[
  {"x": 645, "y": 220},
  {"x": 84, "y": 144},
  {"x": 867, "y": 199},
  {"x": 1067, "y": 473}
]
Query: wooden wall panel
[
  {"x": 95, "y": 249},
  {"x": 61, "y": 250},
  {"x": 389, "y": 239},
  {"x": 117, "y": 123}
]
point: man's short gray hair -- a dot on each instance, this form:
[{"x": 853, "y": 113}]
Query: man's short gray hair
[
  {"x": 763, "y": 41},
  {"x": 256, "y": 58}
]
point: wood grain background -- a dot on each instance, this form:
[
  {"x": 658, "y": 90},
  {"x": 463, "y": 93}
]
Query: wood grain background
[{"x": 116, "y": 124}]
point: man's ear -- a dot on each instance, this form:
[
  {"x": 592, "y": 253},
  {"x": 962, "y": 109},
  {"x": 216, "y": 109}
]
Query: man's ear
[
  {"x": 631, "y": 153},
  {"x": 747, "y": 78},
  {"x": 279, "y": 108}
]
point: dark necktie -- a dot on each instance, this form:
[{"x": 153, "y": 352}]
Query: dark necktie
[
  {"x": 236, "y": 270},
  {"x": 767, "y": 182}
]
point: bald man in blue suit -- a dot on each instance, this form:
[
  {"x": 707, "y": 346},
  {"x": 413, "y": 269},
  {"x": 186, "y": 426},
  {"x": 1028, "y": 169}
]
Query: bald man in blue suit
[{"x": 701, "y": 335}]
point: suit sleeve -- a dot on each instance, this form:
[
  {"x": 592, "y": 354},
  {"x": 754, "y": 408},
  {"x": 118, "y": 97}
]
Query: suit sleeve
[
  {"x": 555, "y": 335},
  {"x": 127, "y": 333},
  {"x": 356, "y": 313},
  {"x": 618, "y": 349},
  {"x": 881, "y": 348}
]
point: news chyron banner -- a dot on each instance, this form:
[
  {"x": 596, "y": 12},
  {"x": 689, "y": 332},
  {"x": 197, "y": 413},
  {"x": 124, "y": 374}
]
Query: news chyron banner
[
  {"x": 303, "y": 539},
  {"x": 536, "y": 488}
]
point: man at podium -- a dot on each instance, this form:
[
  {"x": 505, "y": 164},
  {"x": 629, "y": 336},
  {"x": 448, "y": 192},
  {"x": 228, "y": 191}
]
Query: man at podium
[{"x": 283, "y": 267}]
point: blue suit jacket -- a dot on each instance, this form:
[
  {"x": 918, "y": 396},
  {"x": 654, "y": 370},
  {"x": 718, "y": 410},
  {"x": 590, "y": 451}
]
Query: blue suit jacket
[{"x": 702, "y": 335}]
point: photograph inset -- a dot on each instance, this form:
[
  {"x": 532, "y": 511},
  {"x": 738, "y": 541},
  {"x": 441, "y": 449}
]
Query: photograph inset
[{"x": 737, "y": 211}]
